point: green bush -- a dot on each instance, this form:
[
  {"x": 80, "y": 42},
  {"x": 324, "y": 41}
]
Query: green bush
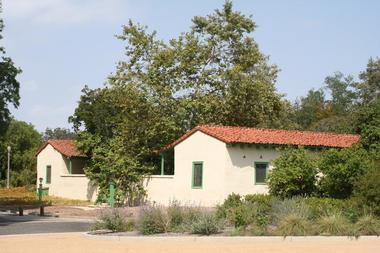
[
  {"x": 367, "y": 189},
  {"x": 334, "y": 224},
  {"x": 294, "y": 174},
  {"x": 341, "y": 169},
  {"x": 233, "y": 200},
  {"x": 367, "y": 225},
  {"x": 153, "y": 220},
  {"x": 350, "y": 208},
  {"x": 206, "y": 224},
  {"x": 253, "y": 209},
  {"x": 114, "y": 219}
]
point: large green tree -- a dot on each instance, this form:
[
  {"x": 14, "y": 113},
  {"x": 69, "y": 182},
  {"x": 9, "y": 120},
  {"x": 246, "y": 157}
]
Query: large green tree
[
  {"x": 214, "y": 73},
  {"x": 24, "y": 141},
  {"x": 9, "y": 86}
]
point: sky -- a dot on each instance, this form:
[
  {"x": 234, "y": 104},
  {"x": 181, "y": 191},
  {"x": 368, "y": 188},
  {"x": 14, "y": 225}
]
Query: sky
[{"x": 62, "y": 45}]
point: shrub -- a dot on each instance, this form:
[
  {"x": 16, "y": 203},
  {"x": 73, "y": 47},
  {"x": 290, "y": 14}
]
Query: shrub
[
  {"x": 367, "y": 225},
  {"x": 114, "y": 219},
  {"x": 181, "y": 217},
  {"x": 341, "y": 169},
  {"x": 294, "y": 174},
  {"x": 334, "y": 224},
  {"x": 206, "y": 224},
  {"x": 153, "y": 220},
  {"x": 233, "y": 200},
  {"x": 175, "y": 214},
  {"x": 367, "y": 189},
  {"x": 294, "y": 206},
  {"x": 294, "y": 224},
  {"x": 253, "y": 209},
  {"x": 350, "y": 208},
  {"x": 242, "y": 215}
]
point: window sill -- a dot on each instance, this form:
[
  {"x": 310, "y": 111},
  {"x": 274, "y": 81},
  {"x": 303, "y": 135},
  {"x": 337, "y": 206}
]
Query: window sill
[
  {"x": 160, "y": 176},
  {"x": 73, "y": 175}
]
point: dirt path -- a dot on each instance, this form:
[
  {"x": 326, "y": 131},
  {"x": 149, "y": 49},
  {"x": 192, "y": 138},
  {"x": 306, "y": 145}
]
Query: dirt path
[{"x": 75, "y": 242}]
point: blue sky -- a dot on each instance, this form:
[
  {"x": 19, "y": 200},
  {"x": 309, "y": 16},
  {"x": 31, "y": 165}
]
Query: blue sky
[{"x": 61, "y": 45}]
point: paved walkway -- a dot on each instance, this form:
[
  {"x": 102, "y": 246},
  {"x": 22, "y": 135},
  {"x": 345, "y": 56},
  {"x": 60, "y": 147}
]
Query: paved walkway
[
  {"x": 30, "y": 224},
  {"x": 81, "y": 243}
]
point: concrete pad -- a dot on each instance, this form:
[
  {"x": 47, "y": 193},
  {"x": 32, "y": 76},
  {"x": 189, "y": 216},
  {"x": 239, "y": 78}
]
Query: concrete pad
[{"x": 81, "y": 243}]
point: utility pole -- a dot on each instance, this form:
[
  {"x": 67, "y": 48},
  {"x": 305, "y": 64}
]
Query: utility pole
[{"x": 9, "y": 164}]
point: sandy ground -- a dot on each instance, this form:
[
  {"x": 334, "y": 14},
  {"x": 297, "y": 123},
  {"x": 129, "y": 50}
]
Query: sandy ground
[{"x": 79, "y": 242}]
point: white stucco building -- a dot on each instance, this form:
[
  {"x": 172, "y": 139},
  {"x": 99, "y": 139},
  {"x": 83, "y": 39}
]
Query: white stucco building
[
  {"x": 210, "y": 162},
  {"x": 202, "y": 167},
  {"x": 60, "y": 165}
]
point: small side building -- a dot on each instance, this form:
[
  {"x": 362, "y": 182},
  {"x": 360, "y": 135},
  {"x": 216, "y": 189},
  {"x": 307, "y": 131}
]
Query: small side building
[{"x": 60, "y": 165}]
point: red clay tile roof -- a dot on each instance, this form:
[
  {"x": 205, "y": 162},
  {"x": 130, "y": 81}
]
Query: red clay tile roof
[
  {"x": 230, "y": 134},
  {"x": 65, "y": 147}
]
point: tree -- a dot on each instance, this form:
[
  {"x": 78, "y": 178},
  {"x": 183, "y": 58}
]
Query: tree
[
  {"x": 311, "y": 109},
  {"x": 341, "y": 169},
  {"x": 316, "y": 112},
  {"x": 342, "y": 94},
  {"x": 367, "y": 188},
  {"x": 9, "y": 86},
  {"x": 213, "y": 73},
  {"x": 24, "y": 141},
  {"x": 59, "y": 133},
  {"x": 369, "y": 88},
  {"x": 294, "y": 174},
  {"x": 368, "y": 126}
]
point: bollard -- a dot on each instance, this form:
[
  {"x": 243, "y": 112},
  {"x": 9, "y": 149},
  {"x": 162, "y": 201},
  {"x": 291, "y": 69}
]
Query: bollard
[
  {"x": 20, "y": 211},
  {"x": 42, "y": 213}
]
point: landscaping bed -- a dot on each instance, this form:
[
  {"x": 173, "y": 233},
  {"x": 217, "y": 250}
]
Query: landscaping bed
[{"x": 252, "y": 215}]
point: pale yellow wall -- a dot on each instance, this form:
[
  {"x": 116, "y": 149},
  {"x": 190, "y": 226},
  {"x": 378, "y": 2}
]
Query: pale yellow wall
[
  {"x": 225, "y": 170},
  {"x": 62, "y": 184}
]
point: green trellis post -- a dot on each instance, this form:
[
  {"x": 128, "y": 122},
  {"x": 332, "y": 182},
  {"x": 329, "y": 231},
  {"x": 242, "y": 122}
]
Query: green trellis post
[{"x": 111, "y": 198}]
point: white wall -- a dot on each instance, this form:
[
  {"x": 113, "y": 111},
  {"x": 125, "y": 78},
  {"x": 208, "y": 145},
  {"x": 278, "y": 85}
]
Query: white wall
[
  {"x": 240, "y": 172},
  {"x": 62, "y": 184},
  {"x": 225, "y": 170},
  {"x": 198, "y": 147}
]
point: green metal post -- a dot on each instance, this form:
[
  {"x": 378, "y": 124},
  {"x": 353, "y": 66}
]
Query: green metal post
[
  {"x": 111, "y": 199},
  {"x": 162, "y": 164}
]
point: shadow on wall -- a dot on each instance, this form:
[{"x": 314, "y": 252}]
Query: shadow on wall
[
  {"x": 91, "y": 190},
  {"x": 245, "y": 157}
]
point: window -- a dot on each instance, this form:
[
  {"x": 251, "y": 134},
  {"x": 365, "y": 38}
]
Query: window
[
  {"x": 261, "y": 173},
  {"x": 48, "y": 174},
  {"x": 197, "y": 175}
]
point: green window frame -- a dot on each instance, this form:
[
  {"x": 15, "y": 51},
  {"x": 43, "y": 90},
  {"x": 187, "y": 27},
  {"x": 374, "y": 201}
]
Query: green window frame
[
  {"x": 261, "y": 172},
  {"x": 48, "y": 174},
  {"x": 197, "y": 175}
]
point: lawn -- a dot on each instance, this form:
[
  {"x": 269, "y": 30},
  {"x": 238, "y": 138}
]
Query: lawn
[{"x": 22, "y": 196}]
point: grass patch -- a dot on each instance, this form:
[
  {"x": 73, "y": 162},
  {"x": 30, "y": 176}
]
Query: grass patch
[
  {"x": 206, "y": 224},
  {"x": 22, "y": 196},
  {"x": 334, "y": 224},
  {"x": 293, "y": 225},
  {"x": 367, "y": 225}
]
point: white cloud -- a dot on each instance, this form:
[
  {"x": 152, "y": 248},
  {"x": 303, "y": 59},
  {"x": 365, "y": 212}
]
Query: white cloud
[{"x": 66, "y": 12}]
